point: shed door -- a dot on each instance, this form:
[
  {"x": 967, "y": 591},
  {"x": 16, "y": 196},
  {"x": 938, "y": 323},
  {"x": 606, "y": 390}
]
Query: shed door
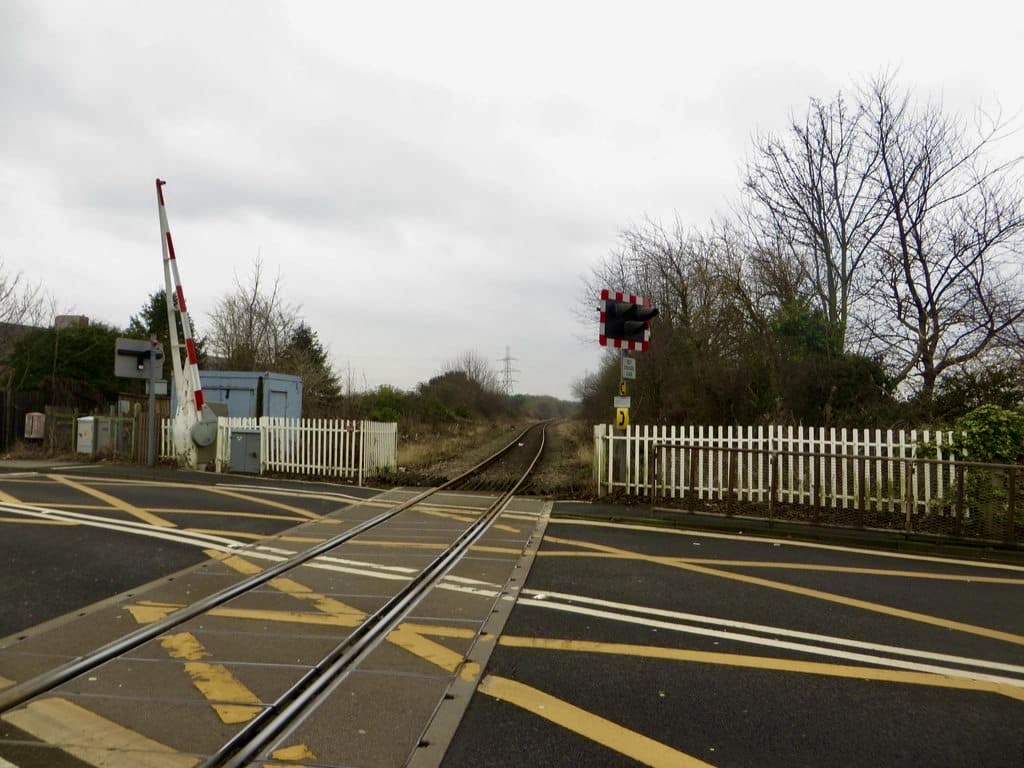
[{"x": 278, "y": 403}]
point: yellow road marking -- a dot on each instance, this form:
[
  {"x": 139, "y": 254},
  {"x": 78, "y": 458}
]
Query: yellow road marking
[
  {"x": 147, "y": 612},
  {"x": 461, "y": 517},
  {"x": 113, "y": 501},
  {"x": 94, "y": 739},
  {"x": 164, "y": 510},
  {"x": 437, "y": 546},
  {"x": 181, "y": 511},
  {"x": 765, "y": 662},
  {"x": 230, "y": 699},
  {"x": 785, "y": 542},
  {"x": 440, "y": 630},
  {"x": 496, "y": 550},
  {"x": 612, "y": 735},
  {"x": 406, "y": 637},
  {"x": 184, "y": 645},
  {"x": 265, "y": 502},
  {"x": 217, "y": 684},
  {"x": 802, "y": 567},
  {"x": 227, "y": 533},
  {"x": 225, "y": 513},
  {"x": 818, "y": 594},
  {"x": 322, "y": 603},
  {"x": 293, "y": 754},
  {"x": 7, "y": 498},
  {"x": 458, "y": 516},
  {"x": 255, "y": 536},
  {"x": 35, "y": 521},
  {"x": 298, "y": 493},
  {"x": 234, "y": 562}
]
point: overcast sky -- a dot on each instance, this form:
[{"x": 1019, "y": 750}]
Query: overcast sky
[{"x": 428, "y": 178}]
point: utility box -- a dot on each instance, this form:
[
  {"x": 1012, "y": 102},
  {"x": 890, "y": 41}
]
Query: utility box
[
  {"x": 251, "y": 394},
  {"x": 35, "y": 426},
  {"x": 102, "y": 435},
  {"x": 85, "y": 435},
  {"x": 245, "y": 451},
  {"x": 105, "y": 436}
]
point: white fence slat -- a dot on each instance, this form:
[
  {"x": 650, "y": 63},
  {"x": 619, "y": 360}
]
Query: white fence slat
[{"x": 818, "y": 466}]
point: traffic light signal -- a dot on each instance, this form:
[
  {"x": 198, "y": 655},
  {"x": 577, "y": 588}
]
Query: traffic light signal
[{"x": 625, "y": 321}]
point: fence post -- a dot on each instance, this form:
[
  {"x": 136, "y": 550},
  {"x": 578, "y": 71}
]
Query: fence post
[
  {"x": 959, "y": 512},
  {"x": 861, "y": 501},
  {"x": 362, "y": 446},
  {"x": 656, "y": 449},
  {"x": 732, "y": 470},
  {"x": 908, "y": 495},
  {"x": 1011, "y": 511}
]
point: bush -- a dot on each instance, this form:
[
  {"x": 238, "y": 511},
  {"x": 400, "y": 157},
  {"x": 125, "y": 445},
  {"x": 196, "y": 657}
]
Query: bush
[{"x": 991, "y": 433}]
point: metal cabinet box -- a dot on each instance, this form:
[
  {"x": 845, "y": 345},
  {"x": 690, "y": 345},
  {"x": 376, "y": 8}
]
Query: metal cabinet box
[
  {"x": 245, "y": 451},
  {"x": 85, "y": 438}
]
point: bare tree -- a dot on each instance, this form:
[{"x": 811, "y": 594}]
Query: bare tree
[
  {"x": 21, "y": 302},
  {"x": 252, "y": 326},
  {"x": 949, "y": 281},
  {"x": 811, "y": 198},
  {"x": 476, "y": 368}
]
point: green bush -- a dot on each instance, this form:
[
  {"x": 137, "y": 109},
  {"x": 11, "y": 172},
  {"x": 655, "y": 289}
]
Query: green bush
[{"x": 990, "y": 433}]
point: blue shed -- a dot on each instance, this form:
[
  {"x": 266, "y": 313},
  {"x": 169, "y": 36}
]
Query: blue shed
[{"x": 254, "y": 394}]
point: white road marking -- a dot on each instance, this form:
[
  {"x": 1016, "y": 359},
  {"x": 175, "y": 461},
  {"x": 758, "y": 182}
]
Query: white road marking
[
  {"x": 828, "y": 639},
  {"x": 201, "y": 540},
  {"x": 376, "y": 571},
  {"x": 755, "y": 538},
  {"x": 300, "y": 492},
  {"x": 765, "y": 641}
]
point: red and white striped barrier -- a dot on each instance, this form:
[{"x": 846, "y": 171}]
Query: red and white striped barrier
[{"x": 190, "y": 387}]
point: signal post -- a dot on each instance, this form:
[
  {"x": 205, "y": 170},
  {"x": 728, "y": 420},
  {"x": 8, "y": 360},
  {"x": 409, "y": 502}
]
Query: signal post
[{"x": 625, "y": 325}]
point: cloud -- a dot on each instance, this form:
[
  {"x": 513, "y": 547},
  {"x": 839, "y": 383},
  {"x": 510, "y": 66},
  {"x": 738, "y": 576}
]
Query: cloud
[{"x": 426, "y": 177}]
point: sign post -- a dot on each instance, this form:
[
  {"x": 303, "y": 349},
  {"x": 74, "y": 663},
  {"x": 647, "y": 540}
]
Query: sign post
[{"x": 625, "y": 324}]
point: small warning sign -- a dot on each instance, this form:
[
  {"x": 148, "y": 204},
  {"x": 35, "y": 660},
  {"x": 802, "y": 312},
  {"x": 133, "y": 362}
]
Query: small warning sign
[
  {"x": 628, "y": 368},
  {"x": 621, "y": 418}
]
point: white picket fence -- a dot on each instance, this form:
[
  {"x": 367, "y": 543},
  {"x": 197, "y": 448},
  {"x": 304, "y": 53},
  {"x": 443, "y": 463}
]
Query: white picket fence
[
  {"x": 313, "y": 447},
  {"x": 804, "y": 465}
]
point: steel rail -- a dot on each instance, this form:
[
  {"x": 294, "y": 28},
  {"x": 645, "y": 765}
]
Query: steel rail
[
  {"x": 21, "y": 692},
  {"x": 273, "y": 723}
]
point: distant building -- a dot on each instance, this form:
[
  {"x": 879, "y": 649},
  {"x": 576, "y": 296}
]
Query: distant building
[{"x": 70, "y": 321}]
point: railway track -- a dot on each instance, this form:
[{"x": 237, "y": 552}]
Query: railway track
[{"x": 504, "y": 472}]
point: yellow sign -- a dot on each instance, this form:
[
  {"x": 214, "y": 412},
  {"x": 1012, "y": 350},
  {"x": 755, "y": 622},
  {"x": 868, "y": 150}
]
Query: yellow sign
[
  {"x": 622, "y": 388},
  {"x": 621, "y": 418}
]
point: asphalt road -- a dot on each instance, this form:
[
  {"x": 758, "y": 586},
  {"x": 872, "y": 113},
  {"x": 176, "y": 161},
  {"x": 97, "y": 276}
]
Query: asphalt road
[
  {"x": 633, "y": 646},
  {"x": 628, "y": 645},
  {"x": 71, "y": 538}
]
